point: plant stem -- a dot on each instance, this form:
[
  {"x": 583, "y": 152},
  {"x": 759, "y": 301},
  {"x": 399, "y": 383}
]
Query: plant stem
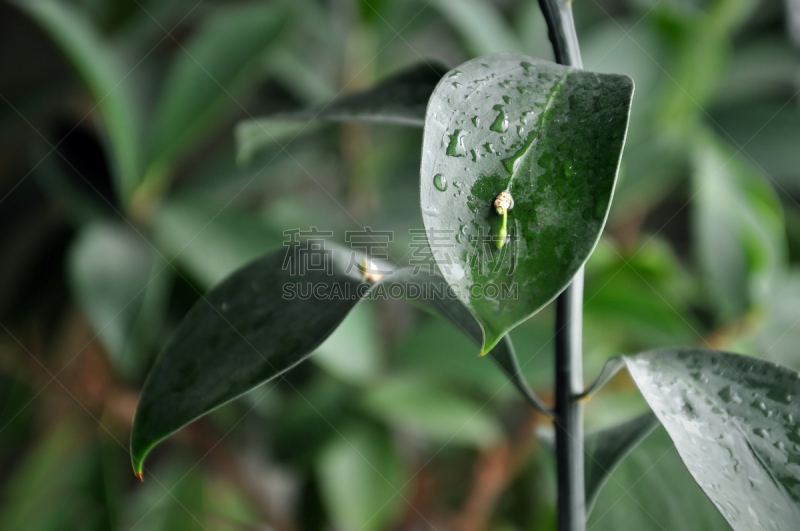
[
  {"x": 569, "y": 321},
  {"x": 569, "y": 410}
]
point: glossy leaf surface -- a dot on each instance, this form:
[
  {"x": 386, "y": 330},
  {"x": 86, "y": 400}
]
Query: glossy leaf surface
[
  {"x": 240, "y": 335},
  {"x": 252, "y": 328},
  {"x": 734, "y": 421},
  {"x": 550, "y": 135}
]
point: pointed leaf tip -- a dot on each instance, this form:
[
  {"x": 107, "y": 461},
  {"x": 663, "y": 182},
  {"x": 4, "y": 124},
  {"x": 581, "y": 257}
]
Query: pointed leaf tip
[{"x": 139, "y": 475}]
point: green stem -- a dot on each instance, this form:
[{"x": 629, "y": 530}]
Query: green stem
[{"x": 569, "y": 320}]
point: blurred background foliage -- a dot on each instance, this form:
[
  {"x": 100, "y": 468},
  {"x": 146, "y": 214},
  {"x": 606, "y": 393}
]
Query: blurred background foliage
[{"x": 121, "y": 201}]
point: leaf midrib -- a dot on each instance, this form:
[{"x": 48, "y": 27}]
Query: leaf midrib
[{"x": 526, "y": 149}]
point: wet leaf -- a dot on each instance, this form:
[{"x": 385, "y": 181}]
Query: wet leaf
[
  {"x": 734, "y": 422},
  {"x": 550, "y": 135}
]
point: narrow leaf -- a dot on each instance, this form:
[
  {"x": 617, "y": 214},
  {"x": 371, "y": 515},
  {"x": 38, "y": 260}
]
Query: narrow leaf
[
  {"x": 481, "y": 26},
  {"x": 121, "y": 285},
  {"x": 609, "y": 370},
  {"x": 361, "y": 479},
  {"x": 738, "y": 219},
  {"x": 399, "y": 99},
  {"x": 650, "y": 490},
  {"x": 108, "y": 75},
  {"x": 607, "y": 448},
  {"x": 549, "y": 135},
  {"x": 734, "y": 422},
  {"x": 207, "y": 72}
]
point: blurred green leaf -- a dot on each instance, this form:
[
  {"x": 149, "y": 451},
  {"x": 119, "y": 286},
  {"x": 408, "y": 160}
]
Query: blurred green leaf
[
  {"x": 207, "y": 73},
  {"x": 15, "y": 414},
  {"x": 43, "y": 492},
  {"x": 651, "y": 490},
  {"x": 768, "y": 134},
  {"x": 762, "y": 69},
  {"x": 361, "y": 479},
  {"x": 352, "y": 352},
  {"x": 701, "y": 51},
  {"x": 733, "y": 421},
  {"x": 606, "y": 449},
  {"x": 738, "y": 220},
  {"x": 432, "y": 413},
  {"x": 637, "y": 298},
  {"x": 246, "y": 331},
  {"x": 122, "y": 286},
  {"x": 398, "y": 99},
  {"x": 480, "y": 25},
  {"x": 253, "y": 136},
  {"x": 210, "y": 240},
  {"x": 778, "y": 338},
  {"x": 174, "y": 499},
  {"x": 561, "y": 175},
  {"x": 108, "y": 75}
]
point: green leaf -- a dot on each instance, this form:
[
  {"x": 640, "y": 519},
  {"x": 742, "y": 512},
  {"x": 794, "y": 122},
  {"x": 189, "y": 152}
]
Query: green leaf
[
  {"x": 552, "y": 137},
  {"x": 253, "y": 327},
  {"x": 361, "y": 479},
  {"x": 481, "y": 26},
  {"x": 209, "y": 240},
  {"x": 637, "y": 298},
  {"x": 442, "y": 301},
  {"x": 352, "y": 352},
  {"x": 207, "y": 74},
  {"x": 108, "y": 75},
  {"x": 432, "y": 413},
  {"x": 607, "y": 448},
  {"x": 399, "y": 99},
  {"x": 41, "y": 492},
  {"x": 738, "y": 219},
  {"x": 733, "y": 420},
  {"x": 249, "y": 329},
  {"x": 650, "y": 490},
  {"x": 122, "y": 286}
]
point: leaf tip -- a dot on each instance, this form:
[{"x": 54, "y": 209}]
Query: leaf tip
[{"x": 139, "y": 475}]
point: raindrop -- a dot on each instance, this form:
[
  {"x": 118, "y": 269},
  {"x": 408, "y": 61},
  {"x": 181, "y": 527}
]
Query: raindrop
[
  {"x": 440, "y": 182},
  {"x": 455, "y": 148},
  {"x": 500, "y": 124}
]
